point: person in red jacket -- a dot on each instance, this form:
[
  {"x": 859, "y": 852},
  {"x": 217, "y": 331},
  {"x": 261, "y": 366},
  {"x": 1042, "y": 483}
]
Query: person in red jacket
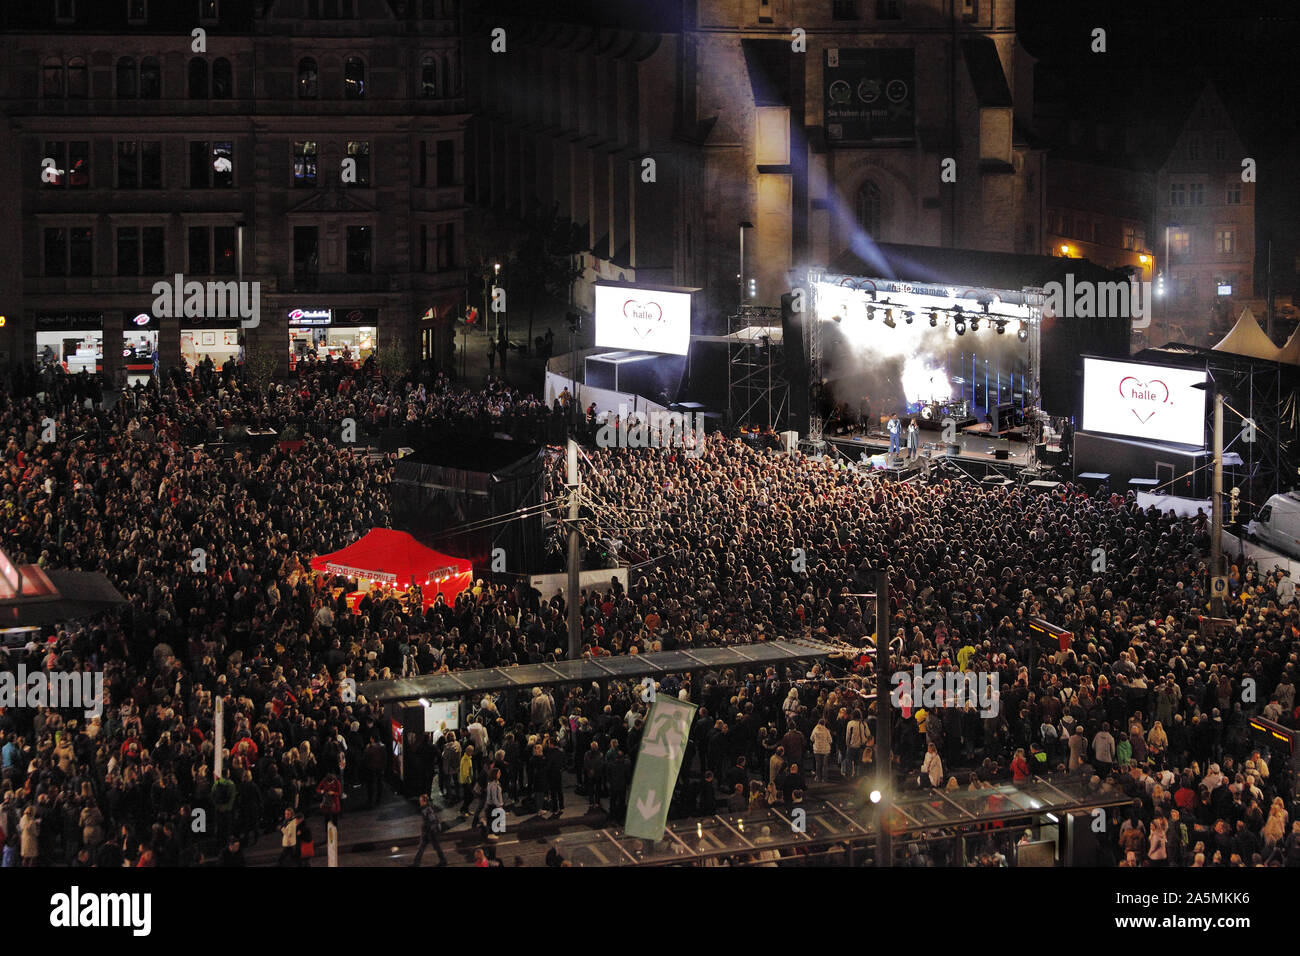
[
  {"x": 330, "y": 790},
  {"x": 1019, "y": 768}
]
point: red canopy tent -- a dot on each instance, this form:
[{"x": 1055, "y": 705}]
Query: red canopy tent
[{"x": 393, "y": 559}]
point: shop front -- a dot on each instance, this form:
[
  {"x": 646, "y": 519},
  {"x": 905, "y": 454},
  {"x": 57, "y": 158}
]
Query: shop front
[
  {"x": 216, "y": 339},
  {"x": 139, "y": 345},
  {"x": 72, "y": 340},
  {"x": 344, "y": 335}
]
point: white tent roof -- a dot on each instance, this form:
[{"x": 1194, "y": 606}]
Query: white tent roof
[
  {"x": 1290, "y": 353},
  {"x": 1247, "y": 338}
]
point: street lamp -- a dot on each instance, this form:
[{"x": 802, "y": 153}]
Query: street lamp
[{"x": 1169, "y": 276}]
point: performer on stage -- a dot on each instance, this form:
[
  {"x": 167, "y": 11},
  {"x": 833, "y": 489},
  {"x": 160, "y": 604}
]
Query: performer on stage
[
  {"x": 913, "y": 440},
  {"x": 895, "y": 429}
]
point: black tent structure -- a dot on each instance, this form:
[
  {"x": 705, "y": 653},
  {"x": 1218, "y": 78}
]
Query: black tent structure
[
  {"x": 31, "y": 597},
  {"x": 464, "y": 497}
]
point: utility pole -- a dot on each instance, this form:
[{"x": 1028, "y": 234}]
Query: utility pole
[
  {"x": 573, "y": 483},
  {"x": 1216, "y": 545},
  {"x": 884, "y": 719}
]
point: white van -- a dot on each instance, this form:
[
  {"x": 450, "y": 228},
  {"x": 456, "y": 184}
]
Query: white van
[{"x": 1278, "y": 524}]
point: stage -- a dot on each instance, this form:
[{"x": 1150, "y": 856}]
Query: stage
[{"x": 977, "y": 454}]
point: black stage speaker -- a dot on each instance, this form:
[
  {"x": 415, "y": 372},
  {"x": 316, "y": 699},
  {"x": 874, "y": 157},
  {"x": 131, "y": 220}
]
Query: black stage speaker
[{"x": 796, "y": 363}]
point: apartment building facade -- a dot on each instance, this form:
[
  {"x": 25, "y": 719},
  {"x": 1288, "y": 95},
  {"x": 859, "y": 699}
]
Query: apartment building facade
[{"x": 312, "y": 146}]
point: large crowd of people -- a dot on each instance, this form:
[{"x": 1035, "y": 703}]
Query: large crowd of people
[{"x": 211, "y": 547}]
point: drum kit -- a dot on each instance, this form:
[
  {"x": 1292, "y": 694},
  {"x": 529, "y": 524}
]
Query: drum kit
[{"x": 935, "y": 411}]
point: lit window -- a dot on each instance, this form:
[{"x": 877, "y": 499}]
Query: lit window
[
  {"x": 304, "y": 163},
  {"x": 354, "y": 79}
]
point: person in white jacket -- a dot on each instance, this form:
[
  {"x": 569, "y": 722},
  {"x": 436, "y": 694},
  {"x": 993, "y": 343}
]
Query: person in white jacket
[
  {"x": 821, "y": 745},
  {"x": 932, "y": 766}
]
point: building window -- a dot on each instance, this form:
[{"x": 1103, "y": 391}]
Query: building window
[
  {"x": 150, "y": 79},
  {"x": 128, "y": 251},
  {"x": 127, "y": 84},
  {"x": 1220, "y": 146},
  {"x": 358, "y": 250},
  {"x": 200, "y": 254},
  {"x": 446, "y": 162},
  {"x": 212, "y": 250},
  {"x": 1196, "y": 194},
  {"x": 1135, "y": 238},
  {"x": 446, "y": 239},
  {"x": 308, "y": 85},
  {"x": 198, "y": 78},
  {"x": 153, "y": 258},
  {"x": 428, "y": 77},
  {"x": 52, "y": 78},
  {"x": 56, "y": 252},
  {"x": 1180, "y": 242},
  {"x": 212, "y": 165},
  {"x": 1193, "y": 146},
  {"x": 1233, "y": 196},
  {"x": 139, "y": 164},
  {"x": 71, "y": 164},
  {"x": 354, "y": 79},
  {"x": 137, "y": 9},
  {"x": 222, "y": 87},
  {"x": 867, "y": 208},
  {"x": 1223, "y": 241},
  {"x": 69, "y": 252},
  {"x": 970, "y": 10},
  {"x": 78, "y": 79},
  {"x": 844, "y": 9},
  {"x": 1177, "y": 194},
  {"x": 304, "y": 163},
  {"x": 360, "y": 151},
  {"x": 889, "y": 9},
  {"x": 306, "y": 252},
  {"x": 764, "y": 11},
  {"x": 128, "y": 165},
  {"x": 424, "y": 248}
]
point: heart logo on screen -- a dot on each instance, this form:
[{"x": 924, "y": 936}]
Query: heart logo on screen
[
  {"x": 1138, "y": 393},
  {"x": 643, "y": 314}
]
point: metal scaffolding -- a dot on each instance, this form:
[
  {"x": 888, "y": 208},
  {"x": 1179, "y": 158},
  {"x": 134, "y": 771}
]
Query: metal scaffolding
[{"x": 758, "y": 390}]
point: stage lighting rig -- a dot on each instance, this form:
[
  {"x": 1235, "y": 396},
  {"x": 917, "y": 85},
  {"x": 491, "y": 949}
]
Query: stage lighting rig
[
  {"x": 959, "y": 324},
  {"x": 1001, "y": 325},
  {"x": 934, "y": 319}
]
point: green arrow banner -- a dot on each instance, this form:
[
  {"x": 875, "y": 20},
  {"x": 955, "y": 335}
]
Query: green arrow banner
[{"x": 659, "y": 760}]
